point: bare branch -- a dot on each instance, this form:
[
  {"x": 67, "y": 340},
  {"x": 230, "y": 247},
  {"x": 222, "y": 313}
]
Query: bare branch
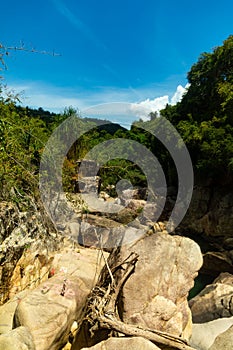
[
  {"x": 4, "y": 51},
  {"x": 155, "y": 336},
  {"x": 102, "y": 313}
]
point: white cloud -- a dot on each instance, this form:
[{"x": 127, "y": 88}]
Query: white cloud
[
  {"x": 144, "y": 108},
  {"x": 112, "y": 103},
  {"x": 180, "y": 91}
]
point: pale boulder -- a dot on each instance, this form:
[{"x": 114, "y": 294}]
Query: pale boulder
[
  {"x": 50, "y": 310},
  {"x": 17, "y": 339},
  {"x": 155, "y": 295},
  {"x": 81, "y": 263},
  {"x": 204, "y": 334},
  {"x": 7, "y": 312},
  {"x": 224, "y": 341},
  {"x": 48, "y": 314},
  {"x": 136, "y": 343}
]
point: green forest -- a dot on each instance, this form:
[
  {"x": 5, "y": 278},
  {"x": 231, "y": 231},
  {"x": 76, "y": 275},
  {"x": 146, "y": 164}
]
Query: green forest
[{"x": 204, "y": 119}]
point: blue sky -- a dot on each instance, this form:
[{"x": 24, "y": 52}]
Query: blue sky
[{"x": 111, "y": 51}]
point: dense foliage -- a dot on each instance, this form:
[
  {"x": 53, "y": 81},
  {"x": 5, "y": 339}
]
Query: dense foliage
[
  {"x": 22, "y": 139},
  {"x": 204, "y": 119}
]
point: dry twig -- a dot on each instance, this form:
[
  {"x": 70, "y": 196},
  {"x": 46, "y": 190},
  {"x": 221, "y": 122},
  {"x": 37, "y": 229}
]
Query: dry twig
[{"x": 102, "y": 309}]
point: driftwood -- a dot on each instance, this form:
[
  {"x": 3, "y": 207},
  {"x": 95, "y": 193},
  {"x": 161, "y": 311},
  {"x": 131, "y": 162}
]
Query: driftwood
[
  {"x": 102, "y": 313},
  {"x": 157, "y": 337}
]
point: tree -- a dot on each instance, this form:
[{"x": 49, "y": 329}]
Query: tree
[
  {"x": 211, "y": 85},
  {"x": 204, "y": 116}
]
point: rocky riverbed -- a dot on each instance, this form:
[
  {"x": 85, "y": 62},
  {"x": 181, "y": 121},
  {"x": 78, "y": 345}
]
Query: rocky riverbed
[{"x": 61, "y": 290}]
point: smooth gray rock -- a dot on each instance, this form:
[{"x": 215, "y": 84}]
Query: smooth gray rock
[
  {"x": 204, "y": 334},
  {"x": 224, "y": 341}
]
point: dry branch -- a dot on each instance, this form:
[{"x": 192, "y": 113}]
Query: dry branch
[
  {"x": 101, "y": 312},
  {"x": 155, "y": 336},
  {"x": 5, "y": 51}
]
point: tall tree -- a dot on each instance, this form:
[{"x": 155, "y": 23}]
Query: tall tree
[{"x": 211, "y": 85}]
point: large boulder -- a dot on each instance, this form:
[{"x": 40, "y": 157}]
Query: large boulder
[
  {"x": 204, "y": 334},
  {"x": 224, "y": 341},
  {"x": 50, "y": 310},
  {"x": 95, "y": 227},
  {"x": 31, "y": 269},
  {"x": 135, "y": 343},
  {"x": 7, "y": 312},
  {"x": 83, "y": 263},
  {"x": 155, "y": 295},
  {"x": 214, "y": 301},
  {"x": 106, "y": 233},
  {"x": 17, "y": 339},
  {"x": 22, "y": 231}
]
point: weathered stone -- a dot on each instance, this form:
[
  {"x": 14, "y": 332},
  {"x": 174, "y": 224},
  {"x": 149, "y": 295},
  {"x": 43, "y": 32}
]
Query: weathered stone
[
  {"x": 224, "y": 340},
  {"x": 107, "y": 234},
  {"x": 9, "y": 218},
  {"x": 155, "y": 295},
  {"x": 72, "y": 230},
  {"x": 131, "y": 234},
  {"x": 95, "y": 205},
  {"x": 211, "y": 212},
  {"x": 230, "y": 254},
  {"x": 31, "y": 270},
  {"x": 50, "y": 310},
  {"x": 7, "y": 312},
  {"x": 136, "y": 205},
  {"x": 100, "y": 221},
  {"x": 49, "y": 314},
  {"x": 124, "y": 216},
  {"x": 96, "y": 231},
  {"x": 135, "y": 343},
  {"x": 225, "y": 278},
  {"x": 20, "y": 232},
  {"x": 152, "y": 211},
  {"x": 134, "y": 193},
  {"x": 104, "y": 195},
  {"x": 214, "y": 301},
  {"x": 88, "y": 184},
  {"x": 204, "y": 334},
  {"x": 83, "y": 263},
  {"x": 67, "y": 347},
  {"x": 17, "y": 339}
]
